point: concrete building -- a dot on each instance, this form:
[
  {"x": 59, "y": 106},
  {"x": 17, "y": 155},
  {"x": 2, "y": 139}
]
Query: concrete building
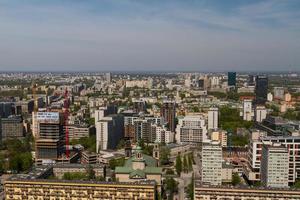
[
  {"x": 247, "y": 110},
  {"x": 60, "y": 169},
  {"x": 278, "y": 93},
  {"x": 11, "y": 127},
  {"x": 213, "y": 118},
  {"x": 162, "y": 135},
  {"x": 104, "y": 111},
  {"x": 191, "y": 129},
  {"x": 204, "y": 191},
  {"x": 168, "y": 112},
  {"x": 50, "y": 138},
  {"x": 17, "y": 189},
  {"x": 220, "y": 136},
  {"x": 211, "y": 163},
  {"x": 260, "y": 113},
  {"x": 274, "y": 168},
  {"x": 109, "y": 131}
]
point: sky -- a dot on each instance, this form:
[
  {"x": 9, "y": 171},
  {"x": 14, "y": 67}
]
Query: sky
[{"x": 149, "y": 35}]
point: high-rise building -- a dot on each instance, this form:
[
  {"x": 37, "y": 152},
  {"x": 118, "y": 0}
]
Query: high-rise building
[
  {"x": 274, "y": 166},
  {"x": 231, "y": 79},
  {"x": 260, "y": 113},
  {"x": 213, "y": 118},
  {"x": 168, "y": 112},
  {"x": 251, "y": 80},
  {"x": 5, "y": 109},
  {"x": 11, "y": 127},
  {"x": 50, "y": 136},
  {"x": 142, "y": 129},
  {"x": 108, "y": 77},
  {"x": 139, "y": 106},
  {"x": 109, "y": 131},
  {"x": 211, "y": 163},
  {"x": 261, "y": 89},
  {"x": 247, "y": 110},
  {"x": 191, "y": 129},
  {"x": 104, "y": 111}
]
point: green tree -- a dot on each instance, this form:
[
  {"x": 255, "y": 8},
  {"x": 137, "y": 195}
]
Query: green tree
[
  {"x": 236, "y": 179},
  {"x": 185, "y": 164},
  {"x": 171, "y": 186},
  {"x": 164, "y": 155},
  {"x": 116, "y": 162},
  {"x": 178, "y": 165},
  {"x": 91, "y": 173},
  {"x": 190, "y": 189},
  {"x": 190, "y": 160}
]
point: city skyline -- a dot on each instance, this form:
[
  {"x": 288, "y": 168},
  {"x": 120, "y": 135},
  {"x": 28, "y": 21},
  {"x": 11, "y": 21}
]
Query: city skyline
[{"x": 150, "y": 35}]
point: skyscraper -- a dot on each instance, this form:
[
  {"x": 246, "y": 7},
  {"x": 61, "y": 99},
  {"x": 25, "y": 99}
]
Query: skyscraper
[
  {"x": 108, "y": 77},
  {"x": 247, "y": 110},
  {"x": 275, "y": 166},
  {"x": 213, "y": 118},
  {"x": 231, "y": 78},
  {"x": 211, "y": 163},
  {"x": 50, "y": 136},
  {"x": 261, "y": 89},
  {"x": 109, "y": 131},
  {"x": 168, "y": 112}
]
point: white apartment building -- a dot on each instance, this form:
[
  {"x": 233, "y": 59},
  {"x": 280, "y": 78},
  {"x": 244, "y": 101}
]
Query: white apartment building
[
  {"x": 260, "y": 113},
  {"x": 220, "y": 136},
  {"x": 163, "y": 135},
  {"x": 247, "y": 110},
  {"x": 213, "y": 118},
  {"x": 191, "y": 129},
  {"x": 274, "y": 166},
  {"x": 211, "y": 163}
]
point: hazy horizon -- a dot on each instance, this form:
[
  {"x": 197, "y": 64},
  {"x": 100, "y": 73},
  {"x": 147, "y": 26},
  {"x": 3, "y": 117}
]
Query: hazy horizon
[{"x": 131, "y": 35}]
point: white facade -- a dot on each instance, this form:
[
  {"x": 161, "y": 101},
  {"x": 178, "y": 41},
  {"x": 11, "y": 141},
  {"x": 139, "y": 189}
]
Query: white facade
[
  {"x": 191, "y": 129},
  {"x": 247, "y": 110},
  {"x": 213, "y": 118},
  {"x": 270, "y": 97},
  {"x": 260, "y": 113},
  {"x": 211, "y": 163},
  {"x": 102, "y": 131},
  {"x": 275, "y": 166},
  {"x": 163, "y": 135}
]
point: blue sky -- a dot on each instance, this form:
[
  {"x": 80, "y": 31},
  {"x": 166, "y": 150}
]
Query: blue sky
[{"x": 150, "y": 35}]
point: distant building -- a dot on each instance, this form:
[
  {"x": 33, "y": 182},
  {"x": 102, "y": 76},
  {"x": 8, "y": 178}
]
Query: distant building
[
  {"x": 247, "y": 110},
  {"x": 213, "y": 118},
  {"x": 211, "y": 163},
  {"x": 139, "y": 106},
  {"x": 191, "y": 129},
  {"x": 109, "y": 131},
  {"x": 168, "y": 112},
  {"x": 278, "y": 93},
  {"x": 11, "y": 127},
  {"x": 275, "y": 166},
  {"x": 220, "y": 136},
  {"x": 104, "y": 111},
  {"x": 261, "y": 89},
  {"x": 231, "y": 79},
  {"x": 108, "y": 77}
]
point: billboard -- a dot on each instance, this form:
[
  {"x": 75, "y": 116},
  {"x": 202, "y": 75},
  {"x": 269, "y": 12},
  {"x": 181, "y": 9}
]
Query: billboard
[{"x": 48, "y": 117}]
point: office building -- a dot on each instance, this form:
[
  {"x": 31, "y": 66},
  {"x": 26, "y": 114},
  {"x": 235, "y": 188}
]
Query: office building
[
  {"x": 274, "y": 166},
  {"x": 231, "y": 79},
  {"x": 247, "y": 110},
  {"x": 211, "y": 163},
  {"x": 11, "y": 127},
  {"x": 191, "y": 129},
  {"x": 213, "y": 118},
  {"x": 109, "y": 131},
  {"x": 260, "y": 113},
  {"x": 261, "y": 89},
  {"x": 50, "y": 138},
  {"x": 168, "y": 112},
  {"x": 204, "y": 191},
  {"x": 6, "y": 109}
]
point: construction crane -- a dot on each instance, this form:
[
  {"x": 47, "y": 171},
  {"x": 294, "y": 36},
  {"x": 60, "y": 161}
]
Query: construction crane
[{"x": 66, "y": 120}]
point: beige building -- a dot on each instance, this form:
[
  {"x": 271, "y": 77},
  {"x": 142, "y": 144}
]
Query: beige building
[
  {"x": 207, "y": 192},
  {"x": 18, "y": 189}
]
